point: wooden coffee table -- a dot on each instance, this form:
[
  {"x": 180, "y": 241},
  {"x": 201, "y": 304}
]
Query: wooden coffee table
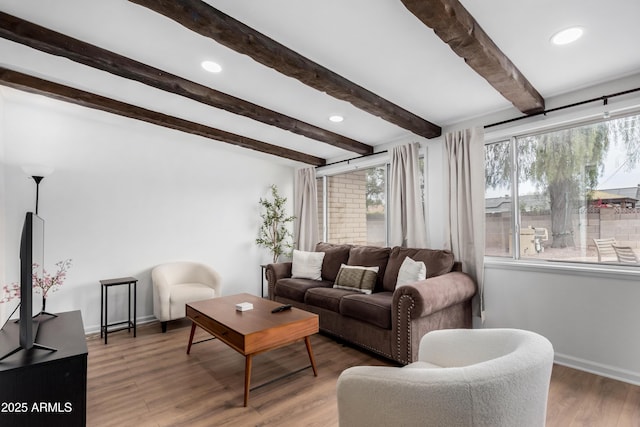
[{"x": 254, "y": 331}]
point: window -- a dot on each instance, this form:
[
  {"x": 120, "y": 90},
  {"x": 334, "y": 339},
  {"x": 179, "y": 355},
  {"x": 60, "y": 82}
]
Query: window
[
  {"x": 355, "y": 206},
  {"x": 564, "y": 191},
  {"x": 352, "y": 201}
]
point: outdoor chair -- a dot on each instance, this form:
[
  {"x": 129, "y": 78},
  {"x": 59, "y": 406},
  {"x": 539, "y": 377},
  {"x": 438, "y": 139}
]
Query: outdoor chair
[
  {"x": 540, "y": 235},
  {"x": 605, "y": 248},
  {"x": 625, "y": 254}
]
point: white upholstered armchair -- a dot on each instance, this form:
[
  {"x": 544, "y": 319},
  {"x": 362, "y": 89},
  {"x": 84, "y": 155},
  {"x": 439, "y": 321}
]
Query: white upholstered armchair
[
  {"x": 470, "y": 377},
  {"x": 177, "y": 283}
]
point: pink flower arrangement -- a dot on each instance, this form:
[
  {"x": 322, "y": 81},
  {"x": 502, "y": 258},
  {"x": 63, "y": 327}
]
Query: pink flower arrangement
[
  {"x": 10, "y": 292},
  {"x": 45, "y": 283}
]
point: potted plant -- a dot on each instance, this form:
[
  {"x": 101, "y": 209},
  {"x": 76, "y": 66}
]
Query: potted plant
[{"x": 274, "y": 233}]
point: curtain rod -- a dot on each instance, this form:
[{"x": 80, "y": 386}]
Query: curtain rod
[
  {"x": 604, "y": 99},
  {"x": 354, "y": 158}
]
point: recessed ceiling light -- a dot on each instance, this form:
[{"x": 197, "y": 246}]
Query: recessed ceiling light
[
  {"x": 212, "y": 67},
  {"x": 336, "y": 118},
  {"x": 567, "y": 36}
]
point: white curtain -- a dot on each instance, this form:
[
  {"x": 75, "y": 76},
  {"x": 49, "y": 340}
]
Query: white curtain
[
  {"x": 465, "y": 212},
  {"x": 406, "y": 212},
  {"x": 306, "y": 209}
]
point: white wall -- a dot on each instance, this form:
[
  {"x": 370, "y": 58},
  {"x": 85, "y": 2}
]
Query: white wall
[
  {"x": 590, "y": 317},
  {"x": 127, "y": 195}
]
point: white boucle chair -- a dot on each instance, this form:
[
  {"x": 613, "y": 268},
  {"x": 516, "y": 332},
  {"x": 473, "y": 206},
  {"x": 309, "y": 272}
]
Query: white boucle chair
[
  {"x": 463, "y": 377},
  {"x": 177, "y": 283}
]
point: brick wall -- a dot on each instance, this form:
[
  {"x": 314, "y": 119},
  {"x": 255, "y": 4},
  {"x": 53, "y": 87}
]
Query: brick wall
[
  {"x": 623, "y": 224},
  {"x": 347, "y": 208}
]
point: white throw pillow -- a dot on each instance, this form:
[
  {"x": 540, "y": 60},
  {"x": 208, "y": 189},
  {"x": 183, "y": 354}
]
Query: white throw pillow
[
  {"x": 307, "y": 265},
  {"x": 411, "y": 271}
]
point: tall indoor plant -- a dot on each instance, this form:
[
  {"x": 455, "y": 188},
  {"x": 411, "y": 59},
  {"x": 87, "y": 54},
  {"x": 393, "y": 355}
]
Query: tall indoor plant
[{"x": 274, "y": 233}]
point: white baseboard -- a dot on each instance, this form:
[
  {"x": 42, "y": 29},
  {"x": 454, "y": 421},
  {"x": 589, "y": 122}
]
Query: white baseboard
[
  {"x": 95, "y": 329},
  {"x": 598, "y": 369}
]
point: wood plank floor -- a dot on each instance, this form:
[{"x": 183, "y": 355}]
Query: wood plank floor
[{"x": 151, "y": 381}]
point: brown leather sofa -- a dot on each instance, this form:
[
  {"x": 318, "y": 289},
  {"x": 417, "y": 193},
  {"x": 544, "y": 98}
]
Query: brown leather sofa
[{"x": 388, "y": 321}]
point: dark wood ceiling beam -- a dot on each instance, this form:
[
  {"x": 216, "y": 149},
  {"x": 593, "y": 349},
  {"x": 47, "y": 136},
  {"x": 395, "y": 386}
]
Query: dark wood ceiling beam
[
  {"x": 456, "y": 27},
  {"x": 31, "y": 84},
  {"x": 207, "y": 21},
  {"x": 52, "y": 42}
]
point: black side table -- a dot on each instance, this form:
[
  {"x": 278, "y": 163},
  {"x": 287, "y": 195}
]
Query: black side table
[{"x": 104, "y": 300}]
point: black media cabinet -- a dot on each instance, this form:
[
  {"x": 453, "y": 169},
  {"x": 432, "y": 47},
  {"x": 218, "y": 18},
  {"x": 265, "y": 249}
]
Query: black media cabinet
[{"x": 43, "y": 388}]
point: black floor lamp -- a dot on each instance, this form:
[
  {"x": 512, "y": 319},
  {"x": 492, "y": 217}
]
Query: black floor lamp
[{"x": 38, "y": 173}]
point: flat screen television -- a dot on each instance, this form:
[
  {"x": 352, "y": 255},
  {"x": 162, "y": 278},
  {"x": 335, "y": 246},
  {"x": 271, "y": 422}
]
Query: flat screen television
[{"x": 31, "y": 260}]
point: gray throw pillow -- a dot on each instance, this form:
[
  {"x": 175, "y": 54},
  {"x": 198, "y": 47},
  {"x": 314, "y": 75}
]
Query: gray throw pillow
[{"x": 356, "y": 278}]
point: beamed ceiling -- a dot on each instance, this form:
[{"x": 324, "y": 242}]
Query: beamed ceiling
[{"x": 394, "y": 69}]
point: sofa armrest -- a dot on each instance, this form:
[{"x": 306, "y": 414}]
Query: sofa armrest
[
  {"x": 275, "y": 272},
  {"x": 436, "y": 293}
]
